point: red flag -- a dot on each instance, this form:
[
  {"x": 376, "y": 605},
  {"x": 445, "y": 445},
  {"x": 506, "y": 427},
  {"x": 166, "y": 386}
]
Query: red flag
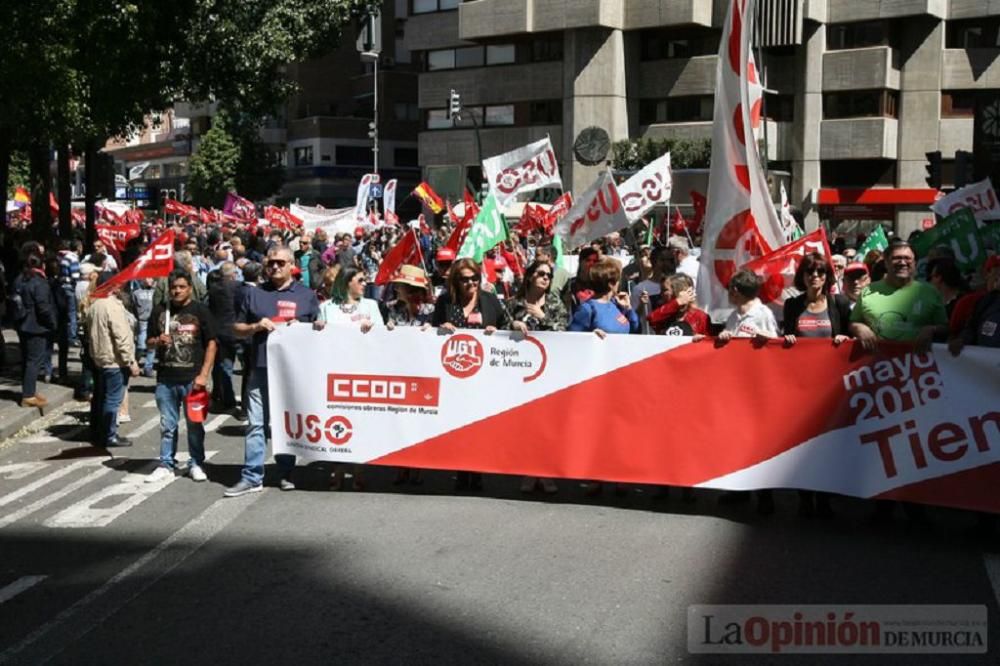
[
  {"x": 156, "y": 261},
  {"x": 559, "y": 208},
  {"x": 471, "y": 208},
  {"x": 79, "y": 215},
  {"x": 173, "y": 207},
  {"x": 698, "y": 201},
  {"x": 678, "y": 225},
  {"x": 53, "y": 205},
  {"x": 451, "y": 212},
  {"x": 117, "y": 235},
  {"x": 778, "y": 267},
  {"x": 406, "y": 251},
  {"x": 391, "y": 217},
  {"x": 239, "y": 208},
  {"x": 429, "y": 197},
  {"x": 134, "y": 216},
  {"x": 281, "y": 218}
]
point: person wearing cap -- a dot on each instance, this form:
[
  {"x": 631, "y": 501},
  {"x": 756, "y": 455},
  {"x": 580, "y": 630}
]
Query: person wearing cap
[
  {"x": 412, "y": 306},
  {"x": 856, "y": 278},
  {"x": 683, "y": 259},
  {"x": 185, "y": 337},
  {"x": 442, "y": 264}
]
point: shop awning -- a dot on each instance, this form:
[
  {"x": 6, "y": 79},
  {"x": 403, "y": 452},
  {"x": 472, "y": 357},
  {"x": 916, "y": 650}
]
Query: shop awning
[{"x": 884, "y": 196}]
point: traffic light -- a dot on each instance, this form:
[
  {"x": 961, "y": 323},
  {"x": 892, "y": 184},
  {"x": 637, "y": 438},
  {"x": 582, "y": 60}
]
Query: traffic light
[
  {"x": 964, "y": 167},
  {"x": 454, "y": 103},
  {"x": 933, "y": 167},
  {"x": 372, "y": 129}
]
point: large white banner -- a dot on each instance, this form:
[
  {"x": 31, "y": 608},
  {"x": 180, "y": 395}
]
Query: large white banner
[
  {"x": 646, "y": 188},
  {"x": 597, "y": 212},
  {"x": 525, "y": 169},
  {"x": 333, "y": 220},
  {"x": 901, "y": 425},
  {"x": 389, "y": 196},
  {"x": 980, "y": 197}
]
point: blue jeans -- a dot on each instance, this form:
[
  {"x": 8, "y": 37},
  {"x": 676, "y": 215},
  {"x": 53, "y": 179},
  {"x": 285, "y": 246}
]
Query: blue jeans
[
  {"x": 70, "y": 294},
  {"x": 112, "y": 383},
  {"x": 222, "y": 374},
  {"x": 170, "y": 401},
  {"x": 255, "y": 445},
  {"x": 143, "y": 354}
]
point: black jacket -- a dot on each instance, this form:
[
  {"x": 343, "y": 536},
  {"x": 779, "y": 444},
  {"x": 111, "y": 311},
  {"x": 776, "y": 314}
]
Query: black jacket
[
  {"x": 222, "y": 297},
  {"x": 492, "y": 310},
  {"x": 837, "y": 306},
  {"x": 38, "y": 304}
]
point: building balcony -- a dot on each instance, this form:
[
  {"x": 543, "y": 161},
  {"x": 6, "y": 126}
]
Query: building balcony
[
  {"x": 845, "y": 11},
  {"x": 861, "y": 69},
  {"x": 548, "y": 15},
  {"x": 961, "y": 9},
  {"x": 492, "y": 85},
  {"x": 657, "y": 13},
  {"x": 184, "y": 109},
  {"x": 445, "y": 147},
  {"x": 438, "y": 30},
  {"x": 677, "y": 77},
  {"x": 964, "y": 69},
  {"x": 492, "y": 18},
  {"x": 689, "y": 131},
  {"x": 955, "y": 134},
  {"x": 858, "y": 138}
]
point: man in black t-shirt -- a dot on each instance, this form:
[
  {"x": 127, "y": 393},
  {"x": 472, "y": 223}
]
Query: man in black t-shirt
[{"x": 184, "y": 335}]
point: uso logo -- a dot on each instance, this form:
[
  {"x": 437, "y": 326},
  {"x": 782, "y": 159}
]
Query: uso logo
[{"x": 462, "y": 356}]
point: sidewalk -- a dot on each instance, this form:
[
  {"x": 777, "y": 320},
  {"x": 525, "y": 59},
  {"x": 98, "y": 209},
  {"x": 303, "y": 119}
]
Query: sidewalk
[{"x": 13, "y": 417}]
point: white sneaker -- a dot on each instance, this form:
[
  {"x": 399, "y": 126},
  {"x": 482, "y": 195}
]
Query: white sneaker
[
  {"x": 161, "y": 473},
  {"x": 196, "y": 473}
]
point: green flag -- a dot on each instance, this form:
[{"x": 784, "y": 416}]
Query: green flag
[
  {"x": 488, "y": 230},
  {"x": 960, "y": 232},
  {"x": 557, "y": 248},
  {"x": 990, "y": 233},
  {"x": 876, "y": 240}
]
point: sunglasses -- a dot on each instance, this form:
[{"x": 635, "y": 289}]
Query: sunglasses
[
  {"x": 276, "y": 263},
  {"x": 468, "y": 279},
  {"x": 543, "y": 274},
  {"x": 816, "y": 271}
]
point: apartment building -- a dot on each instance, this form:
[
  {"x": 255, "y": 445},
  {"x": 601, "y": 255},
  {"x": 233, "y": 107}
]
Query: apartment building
[{"x": 858, "y": 90}]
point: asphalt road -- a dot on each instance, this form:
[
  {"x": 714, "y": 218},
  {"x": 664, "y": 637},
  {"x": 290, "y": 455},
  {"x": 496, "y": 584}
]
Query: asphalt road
[{"x": 98, "y": 567}]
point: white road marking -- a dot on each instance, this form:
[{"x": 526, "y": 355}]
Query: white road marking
[
  {"x": 53, "y": 497},
  {"x": 18, "y": 586},
  {"x": 144, "y": 428},
  {"x": 168, "y": 555},
  {"x": 16, "y": 471},
  {"x": 47, "y": 479},
  {"x": 133, "y": 489},
  {"x": 212, "y": 425},
  {"x": 149, "y": 403}
]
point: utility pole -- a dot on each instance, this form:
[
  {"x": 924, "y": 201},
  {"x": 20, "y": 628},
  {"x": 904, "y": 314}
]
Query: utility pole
[{"x": 369, "y": 44}]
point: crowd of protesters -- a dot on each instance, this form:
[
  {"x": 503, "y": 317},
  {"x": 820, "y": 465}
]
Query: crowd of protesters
[{"x": 233, "y": 285}]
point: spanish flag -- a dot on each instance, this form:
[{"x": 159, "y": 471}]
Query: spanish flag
[
  {"x": 21, "y": 196},
  {"x": 429, "y": 197}
]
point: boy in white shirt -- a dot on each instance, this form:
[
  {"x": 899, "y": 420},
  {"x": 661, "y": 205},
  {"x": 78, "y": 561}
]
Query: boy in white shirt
[{"x": 750, "y": 318}]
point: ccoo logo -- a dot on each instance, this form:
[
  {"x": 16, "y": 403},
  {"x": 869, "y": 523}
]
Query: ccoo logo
[{"x": 462, "y": 356}]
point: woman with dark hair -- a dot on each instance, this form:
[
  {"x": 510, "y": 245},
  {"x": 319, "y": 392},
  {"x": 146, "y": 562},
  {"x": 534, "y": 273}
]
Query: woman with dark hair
[
  {"x": 466, "y": 305},
  {"x": 677, "y": 309},
  {"x": 944, "y": 275},
  {"x": 348, "y": 306},
  {"x": 816, "y": 313},
  {"x": 580, "y": 290},
  {"x": 608, "y": 310},
  {"x": 535, "y": 308}
]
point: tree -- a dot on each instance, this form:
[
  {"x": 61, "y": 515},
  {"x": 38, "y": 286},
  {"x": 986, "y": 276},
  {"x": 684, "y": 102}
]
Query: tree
[
  {"x": 18, "y": 173},
  {"x": 212, "y": 169},
  {"x": 632, "y": 155}
]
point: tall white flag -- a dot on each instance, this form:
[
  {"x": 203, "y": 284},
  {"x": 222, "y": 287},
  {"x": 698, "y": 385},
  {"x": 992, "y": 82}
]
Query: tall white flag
[
  {"x": 389, "y": 196},
  {"x": 525, "y": 169},
  {"x": 364, "y": 188},
  {"x": 597, "y": 212},
  {"x": 646, "y": 188},
  {"x": 741, "y": 222}
]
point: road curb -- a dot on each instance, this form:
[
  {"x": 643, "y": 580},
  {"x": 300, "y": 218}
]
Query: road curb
[{"x": 13, "y": 417}]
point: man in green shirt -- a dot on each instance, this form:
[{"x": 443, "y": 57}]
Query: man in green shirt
[{"x": 898, "y": 307}]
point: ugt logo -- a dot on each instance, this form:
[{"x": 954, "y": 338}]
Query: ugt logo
[{"x": 462, "y": 356}]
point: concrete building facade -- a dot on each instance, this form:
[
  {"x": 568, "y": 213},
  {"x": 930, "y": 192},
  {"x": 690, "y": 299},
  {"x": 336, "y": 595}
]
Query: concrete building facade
[{"x": 859, "y": 90}]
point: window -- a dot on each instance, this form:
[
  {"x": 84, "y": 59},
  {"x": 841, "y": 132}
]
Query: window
[
  {"x": 958, "y": 103},
  {"x": 857, "y": 35},
  {"x": 981, "y": 33},
  {"x": 545, "y": 112},
  {"x": 696, "y": 108},
  {"x": 406, "y": 111},
  {"x": 500, "y": 115},
  {"x": 547, "y": 49},
  {"x": 779, "y": 108},
  {"x": 501, "y": 54},
  {"x": 405, "y": 157},
  {"x": 354, "y": 155},
  {"x": 861, "y": 104},
  {"x": 469, "y": 57},
  {"x": 427, "y": 6},
  {"x": 438, "y": 119},
  {"x": 304, "y": 156},
  {"x": 857, "y": 173},
  {"x": 444, "y": 59},
  {"x": 684, "y": 43}
]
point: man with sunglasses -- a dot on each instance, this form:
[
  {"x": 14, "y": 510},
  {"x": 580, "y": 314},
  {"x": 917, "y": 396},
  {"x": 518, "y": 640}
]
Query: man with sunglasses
[{"x": 279, "y": 301}]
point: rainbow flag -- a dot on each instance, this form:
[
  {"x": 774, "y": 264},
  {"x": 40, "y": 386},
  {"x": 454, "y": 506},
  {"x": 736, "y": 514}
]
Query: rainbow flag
[{"x": 21, "y": 197}]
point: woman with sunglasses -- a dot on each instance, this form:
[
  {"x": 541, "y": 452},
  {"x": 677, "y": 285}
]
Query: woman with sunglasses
[
  {"x": 466, "y": 305},
  {"x": 816, "y": 313},
  {"x": 535, "y": 308},
  {"x": 348, "y": 306}
]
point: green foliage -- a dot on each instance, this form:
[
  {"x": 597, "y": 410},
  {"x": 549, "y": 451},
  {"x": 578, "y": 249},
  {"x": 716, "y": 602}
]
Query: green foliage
[
  {"x": 20, "y": 172},
  {"x": 212, "y": 170},
  {"x": 632, "y": 155}
]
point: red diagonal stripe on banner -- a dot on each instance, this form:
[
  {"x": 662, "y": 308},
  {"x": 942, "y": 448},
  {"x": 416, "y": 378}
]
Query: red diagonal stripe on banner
[
  {"x": 974, "y": 489},
  {"x": 710, "y": 421}
]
